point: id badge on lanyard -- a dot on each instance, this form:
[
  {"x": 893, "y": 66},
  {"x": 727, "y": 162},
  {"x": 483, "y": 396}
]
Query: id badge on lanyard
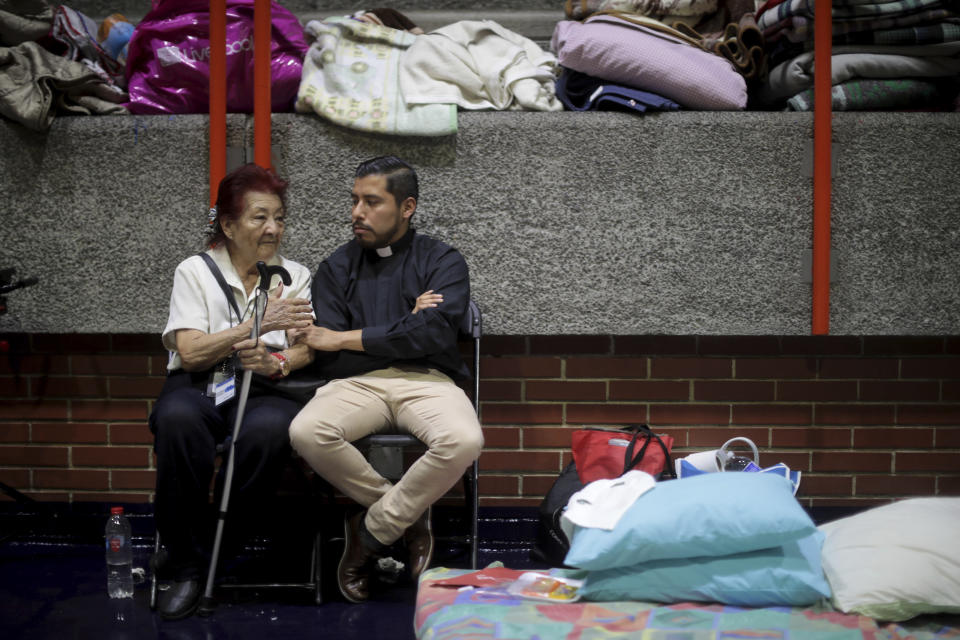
[{"x": 222, "y": 386}]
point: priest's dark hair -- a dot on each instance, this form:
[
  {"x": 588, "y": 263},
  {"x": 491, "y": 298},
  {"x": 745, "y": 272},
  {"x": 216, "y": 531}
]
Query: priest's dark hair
[{"x": 401, "y": 178}]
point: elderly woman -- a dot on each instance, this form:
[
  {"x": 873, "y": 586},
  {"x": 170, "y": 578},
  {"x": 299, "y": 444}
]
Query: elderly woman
[{"x": 208, "y": 334}]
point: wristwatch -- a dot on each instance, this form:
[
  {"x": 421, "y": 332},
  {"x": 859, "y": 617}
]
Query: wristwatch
[{"x": 284, "y": 366}]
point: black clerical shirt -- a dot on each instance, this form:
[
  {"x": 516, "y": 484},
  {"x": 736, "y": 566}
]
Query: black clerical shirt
[{"x": 357, "y": 288}]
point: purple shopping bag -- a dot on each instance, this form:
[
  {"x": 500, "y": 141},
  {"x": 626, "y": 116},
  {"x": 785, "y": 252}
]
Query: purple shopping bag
[{"x": 169, "y": 58}]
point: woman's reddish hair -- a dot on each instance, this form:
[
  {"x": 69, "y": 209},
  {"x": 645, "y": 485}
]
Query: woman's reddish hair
[{"x": 235, "y": 186}]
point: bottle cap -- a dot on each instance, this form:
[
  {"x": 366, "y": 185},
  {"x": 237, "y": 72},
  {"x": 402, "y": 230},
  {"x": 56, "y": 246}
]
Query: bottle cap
[{"x": 116, "y": 510}]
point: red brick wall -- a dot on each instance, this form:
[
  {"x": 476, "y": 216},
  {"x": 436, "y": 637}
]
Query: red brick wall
[
  {"x": 73, "y": 412},
  {"x": 867, "y": 419}
]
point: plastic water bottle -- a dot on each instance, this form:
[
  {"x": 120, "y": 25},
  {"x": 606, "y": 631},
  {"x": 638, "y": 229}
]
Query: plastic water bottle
[{"x": 119, "y": 553}]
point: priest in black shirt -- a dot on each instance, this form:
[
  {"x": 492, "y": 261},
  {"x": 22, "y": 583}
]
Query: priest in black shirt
[{"x": 388, "y": 307}]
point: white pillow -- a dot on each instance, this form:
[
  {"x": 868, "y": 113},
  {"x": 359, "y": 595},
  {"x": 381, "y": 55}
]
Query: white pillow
[{"x": 896, "y": 561}]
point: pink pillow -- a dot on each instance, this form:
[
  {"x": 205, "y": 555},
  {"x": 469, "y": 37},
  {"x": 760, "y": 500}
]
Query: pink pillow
[{"x": 650, "y": 58}]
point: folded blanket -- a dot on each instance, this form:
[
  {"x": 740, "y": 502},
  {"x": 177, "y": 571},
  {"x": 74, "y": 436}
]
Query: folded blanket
[
  {"x": 800, "y": 28},
  {"x": 843, "y": 11},
  {"x": 784, "y": 50},
  {"x": 919, "y": 34},
  {"x": 767, "y": 6},
  {"x": 794, "y": 76},
  {"x": 865, "y": 94},
  {"x": 350, "y": 77},
  {"x": 479, "y": 65}
]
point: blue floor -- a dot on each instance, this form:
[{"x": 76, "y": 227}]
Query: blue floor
[
  {"x": 59, "y": 591},
  {"x": 53, "y": 585}
]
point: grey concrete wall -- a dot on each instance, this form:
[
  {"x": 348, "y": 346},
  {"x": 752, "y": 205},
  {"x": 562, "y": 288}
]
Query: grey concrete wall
[
  {"x": 532, "y": 18},
  {"x": 679, "y": 223},
  {"x": 136, "y": 9}
]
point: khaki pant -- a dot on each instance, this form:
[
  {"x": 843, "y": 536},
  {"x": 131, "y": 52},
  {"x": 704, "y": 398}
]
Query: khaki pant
[{"x": 415, "y": 400}]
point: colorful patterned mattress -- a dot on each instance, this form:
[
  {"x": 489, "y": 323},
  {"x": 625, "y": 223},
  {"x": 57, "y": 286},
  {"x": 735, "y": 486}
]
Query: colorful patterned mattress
[{"x": 466, "y": 613}]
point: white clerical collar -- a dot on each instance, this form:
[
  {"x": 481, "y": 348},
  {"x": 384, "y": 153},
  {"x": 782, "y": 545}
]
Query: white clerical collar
[{"x": 384, "y": 252}]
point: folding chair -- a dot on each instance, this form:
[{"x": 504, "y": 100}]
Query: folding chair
[{"x": 385, "y": 451}]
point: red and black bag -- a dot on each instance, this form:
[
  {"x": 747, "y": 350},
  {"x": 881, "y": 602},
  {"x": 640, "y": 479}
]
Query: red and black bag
[{"x": 610, "y": 453}]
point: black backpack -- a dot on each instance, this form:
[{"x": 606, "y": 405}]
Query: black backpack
[{"x": 552, "y": 545}]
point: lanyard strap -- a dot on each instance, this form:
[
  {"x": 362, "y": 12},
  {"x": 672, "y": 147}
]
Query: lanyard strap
[{"x": 223, "y": 284}]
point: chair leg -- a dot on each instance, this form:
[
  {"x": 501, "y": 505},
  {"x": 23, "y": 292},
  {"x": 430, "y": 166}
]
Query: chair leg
[
  {"x": 324, "y": 494},
  {"x": 153, "y": 572},
  {"x": 471, "y": 498},
  {"x": 475, "y": 518},
  {"x": 316, "y": 568}
]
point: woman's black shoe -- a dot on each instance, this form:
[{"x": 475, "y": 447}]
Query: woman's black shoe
[{"x": 180, "y": 599}]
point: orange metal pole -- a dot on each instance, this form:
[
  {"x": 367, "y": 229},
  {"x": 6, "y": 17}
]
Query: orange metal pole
[
  {"x": 218, "y": 95},
  {"x": 261, "y": 83},
  {"x": 822, "y": 111}
]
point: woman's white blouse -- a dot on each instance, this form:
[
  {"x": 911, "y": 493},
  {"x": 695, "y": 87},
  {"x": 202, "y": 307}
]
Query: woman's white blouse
[{"x": 198, "y": 302}]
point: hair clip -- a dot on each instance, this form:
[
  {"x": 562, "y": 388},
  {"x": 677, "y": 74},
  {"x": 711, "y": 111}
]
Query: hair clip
[{"x": 212, "y": 225}]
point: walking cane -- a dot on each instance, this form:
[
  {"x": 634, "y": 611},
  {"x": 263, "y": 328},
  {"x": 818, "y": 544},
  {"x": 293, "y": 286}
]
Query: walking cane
[{"x": 207, "y": 603}]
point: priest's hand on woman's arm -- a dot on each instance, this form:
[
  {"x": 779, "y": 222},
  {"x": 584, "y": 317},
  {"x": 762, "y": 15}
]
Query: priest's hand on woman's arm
[{"x": 323, "y": 339}]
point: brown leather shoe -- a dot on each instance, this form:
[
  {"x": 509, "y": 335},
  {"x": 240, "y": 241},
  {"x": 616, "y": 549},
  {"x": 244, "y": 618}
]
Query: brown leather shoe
[
  {"x": 353, "y": 574},
  {"x": 419, "y": 539}
]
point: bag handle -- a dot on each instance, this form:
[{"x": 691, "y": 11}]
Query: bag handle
[
  {"x": 630, "y": 460},
  {"x": 723, "y": 455},
  {"x": 223, "y": 283}
]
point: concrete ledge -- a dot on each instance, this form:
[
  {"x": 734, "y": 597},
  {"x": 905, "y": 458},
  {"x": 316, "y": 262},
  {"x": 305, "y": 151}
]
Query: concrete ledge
[{"x": 572, "y": 223}]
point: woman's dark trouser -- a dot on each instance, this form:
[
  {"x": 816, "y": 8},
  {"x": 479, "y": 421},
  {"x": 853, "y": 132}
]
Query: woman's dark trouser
[{"x": 187, "y": 427}]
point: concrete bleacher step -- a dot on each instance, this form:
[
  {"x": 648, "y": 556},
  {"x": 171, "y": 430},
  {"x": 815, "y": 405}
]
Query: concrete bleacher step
[{"x": 572, "y": 223}]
